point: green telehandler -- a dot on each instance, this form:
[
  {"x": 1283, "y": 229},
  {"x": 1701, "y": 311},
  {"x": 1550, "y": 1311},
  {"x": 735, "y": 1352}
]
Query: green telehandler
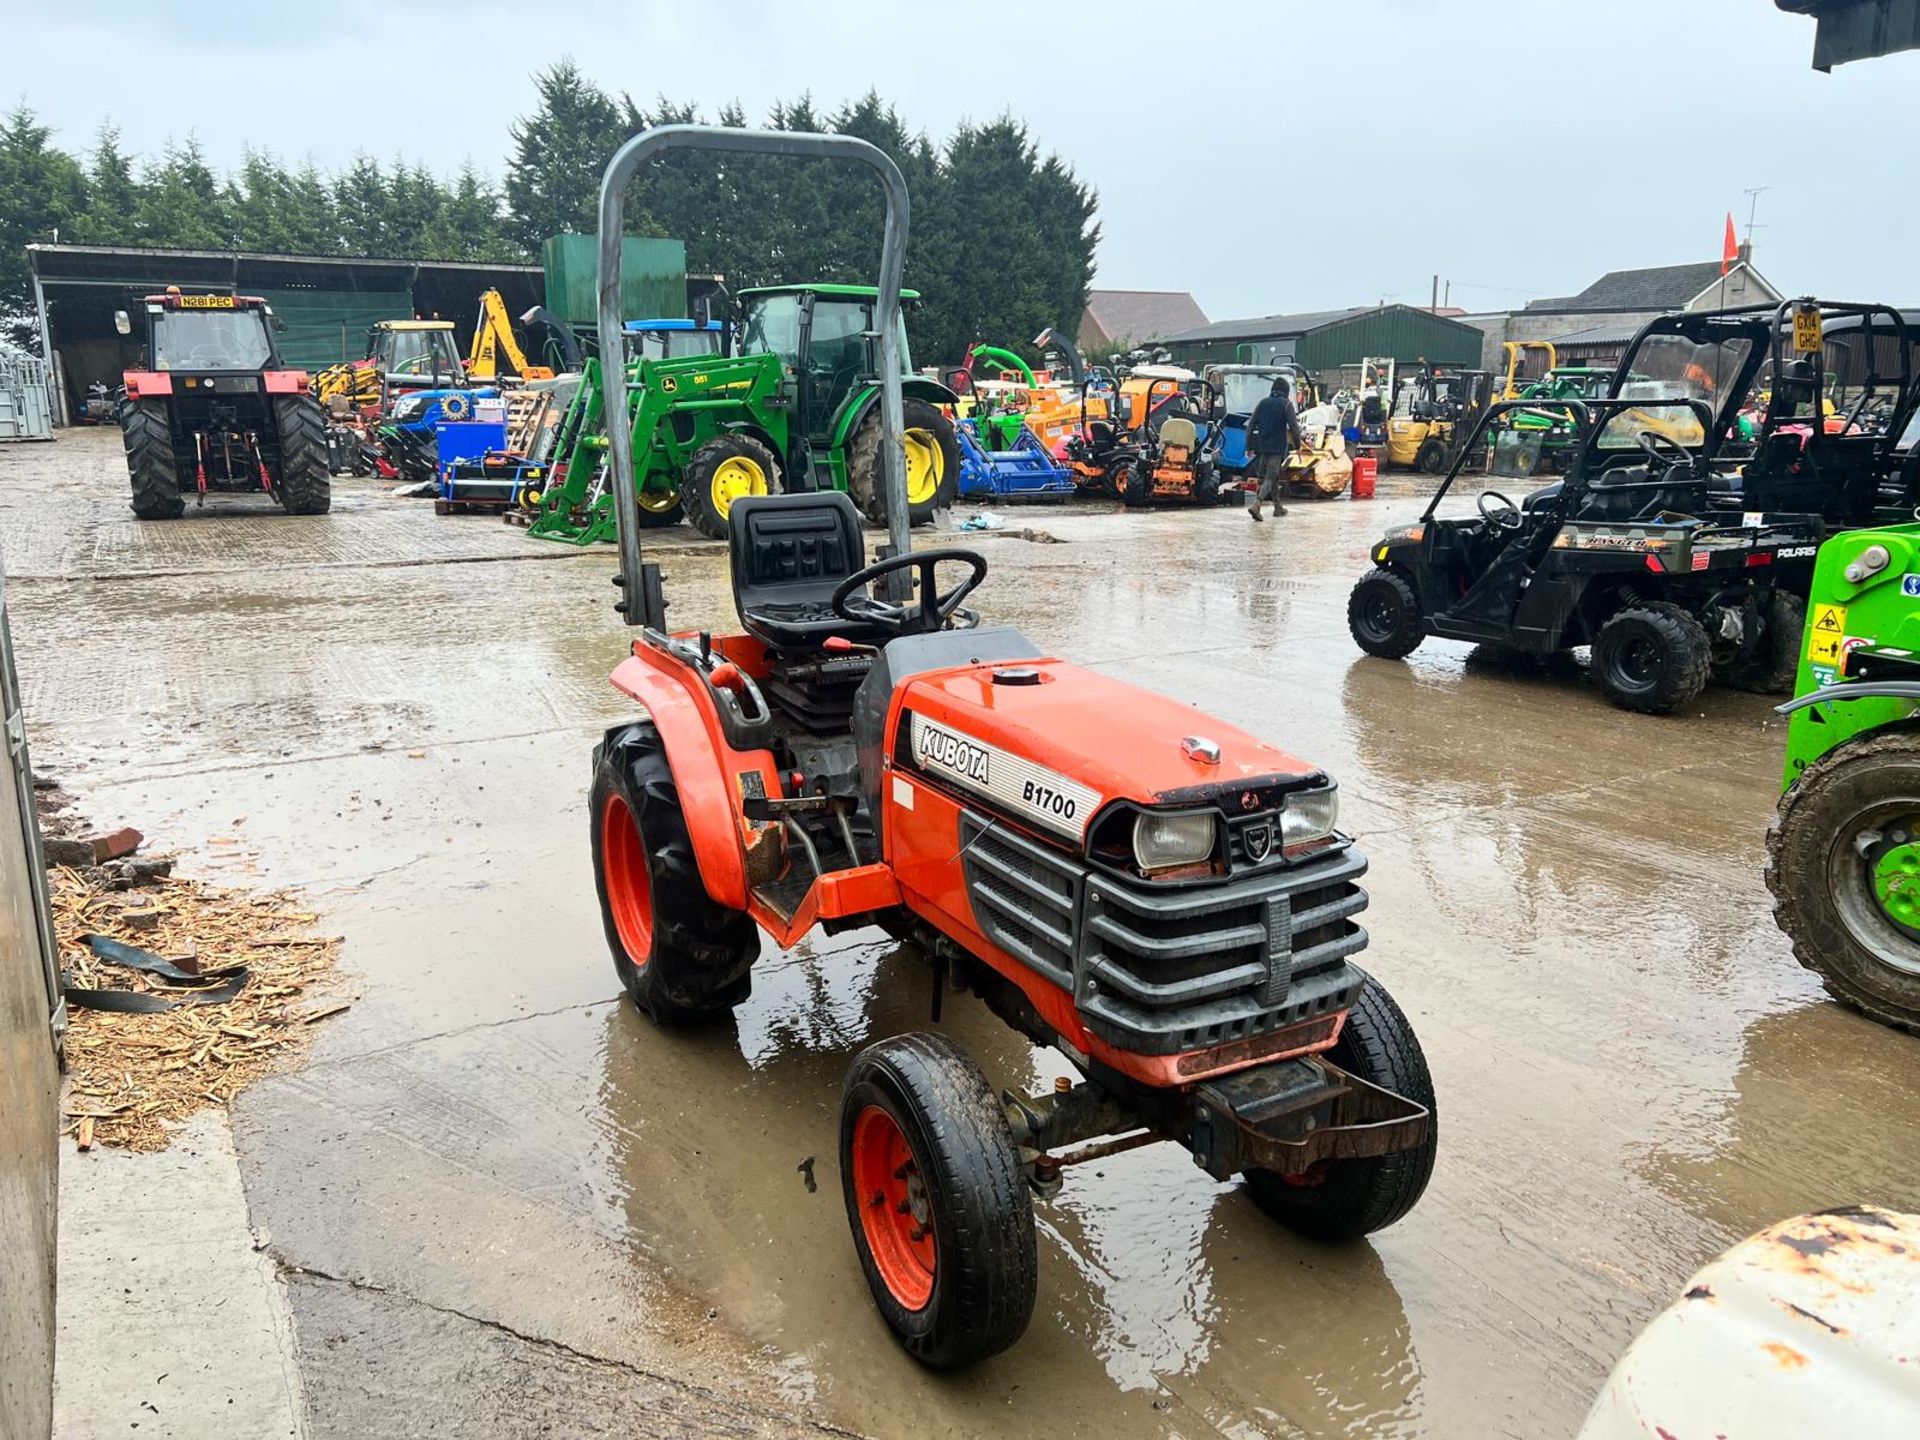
[
  {"x": 797, "y": 408},
  {"x": 1843, "y": 852}
]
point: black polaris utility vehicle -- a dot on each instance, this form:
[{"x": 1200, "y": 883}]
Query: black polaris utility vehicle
[{"x": 1680, "y": 543}]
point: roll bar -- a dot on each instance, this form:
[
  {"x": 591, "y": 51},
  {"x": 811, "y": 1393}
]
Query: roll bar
[{"x": 642, "y": 599}]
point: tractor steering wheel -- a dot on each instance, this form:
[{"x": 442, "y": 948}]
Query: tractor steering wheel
[
  {"x": 931, "y": 610},
  {"x": 1664, "y": 449},
  {"x": 1507, "y": 517}
]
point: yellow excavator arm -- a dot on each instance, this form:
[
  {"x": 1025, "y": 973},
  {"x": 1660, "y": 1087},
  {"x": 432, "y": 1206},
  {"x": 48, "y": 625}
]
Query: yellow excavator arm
[{"x": 493, "y": 338}]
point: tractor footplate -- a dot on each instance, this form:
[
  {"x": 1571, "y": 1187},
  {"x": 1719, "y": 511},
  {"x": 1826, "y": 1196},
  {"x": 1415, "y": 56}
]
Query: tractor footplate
[{"x": 1289, "y": 1117}]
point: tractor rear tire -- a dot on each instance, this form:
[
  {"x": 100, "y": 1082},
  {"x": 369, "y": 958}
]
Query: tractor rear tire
[
  {"x": 1771, "y": 669},
  {"x": 1345, "y": 1199},
  {"x": 681, "y": 955},
  {"x": 148, "y": 437},
  {"x": 726, "y": 468},
  {"x": 1652, "y": 658},
  {"x": 306, "y": 485},
  {"x": 1383, "y": 614},
  {"x": 927, "y": 430},
  {"x": 1824, "y": 896},
  {"x": 940, "y": 1210},
  {"x": 1432, "y": 458}
]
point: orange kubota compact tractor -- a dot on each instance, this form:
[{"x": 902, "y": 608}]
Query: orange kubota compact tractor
[{"x": 1159, "y": 896}]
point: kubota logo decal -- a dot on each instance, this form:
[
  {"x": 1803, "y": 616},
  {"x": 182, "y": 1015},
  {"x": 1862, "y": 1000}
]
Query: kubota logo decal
[
  {"x": 948, "y": 751},
  {"x": 1016, "y": 784}
]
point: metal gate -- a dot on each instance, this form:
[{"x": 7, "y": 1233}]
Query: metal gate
[
  {"x": 26, "y": 409},
  {"x": 31, "y": 1020}
]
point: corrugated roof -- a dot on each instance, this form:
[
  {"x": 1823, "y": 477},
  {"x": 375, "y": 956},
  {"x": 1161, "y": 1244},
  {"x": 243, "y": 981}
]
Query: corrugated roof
[
  {"x": 1276, "y": 326},
  {"x": 1661, "y": 287},
  {"x": 1143, "y": 314},
  {"x": 1598, "y": 335}
]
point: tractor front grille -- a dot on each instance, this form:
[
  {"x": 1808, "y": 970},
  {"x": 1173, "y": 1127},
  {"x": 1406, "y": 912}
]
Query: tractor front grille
[
  {"x": 1025, "y": 897},
  {"x": 1163, "y": 970}
]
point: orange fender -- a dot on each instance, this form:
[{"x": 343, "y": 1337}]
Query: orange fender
[{"x": 705, "y": 767}]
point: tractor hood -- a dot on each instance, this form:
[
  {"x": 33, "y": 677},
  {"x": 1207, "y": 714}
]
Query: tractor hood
[{"x": 1052, "y": 744}]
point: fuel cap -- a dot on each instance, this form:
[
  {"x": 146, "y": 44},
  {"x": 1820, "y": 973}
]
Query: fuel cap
[{"x": 1017, "y": 675}]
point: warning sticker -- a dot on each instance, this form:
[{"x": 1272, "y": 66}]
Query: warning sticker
[{"x": 1826, "y": 633}]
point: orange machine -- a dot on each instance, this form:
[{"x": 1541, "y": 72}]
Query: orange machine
[{"x": 1163, "y": 898}]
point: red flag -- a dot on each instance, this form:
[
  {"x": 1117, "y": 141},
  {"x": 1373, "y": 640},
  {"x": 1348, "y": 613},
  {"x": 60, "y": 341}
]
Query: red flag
[{"x": 1730, "y": 251}]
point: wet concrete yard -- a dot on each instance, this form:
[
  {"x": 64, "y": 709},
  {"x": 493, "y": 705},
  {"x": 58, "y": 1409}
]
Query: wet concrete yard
[{"x": 500, "y": 1195}]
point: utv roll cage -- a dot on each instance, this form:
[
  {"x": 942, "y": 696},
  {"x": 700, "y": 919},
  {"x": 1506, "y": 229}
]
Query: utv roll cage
[
  {"x": 1591, "y": 419},
  {"x": 1795, "y": 457}
]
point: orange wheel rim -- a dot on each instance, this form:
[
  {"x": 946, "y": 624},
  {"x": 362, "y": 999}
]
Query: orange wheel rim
[
  {"x": 896, "y": 1213},
  {"x": 629, "y": 890}
]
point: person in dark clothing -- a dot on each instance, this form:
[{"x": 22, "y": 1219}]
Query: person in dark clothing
[{"x": 1272, "y": 434}]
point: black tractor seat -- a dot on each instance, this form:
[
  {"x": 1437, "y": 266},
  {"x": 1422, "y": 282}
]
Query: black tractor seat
[{"x": 789, "y": 554}]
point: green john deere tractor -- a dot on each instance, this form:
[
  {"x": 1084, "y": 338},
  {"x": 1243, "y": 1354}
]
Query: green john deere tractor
[
  {"x": 797, "y": 408},
  {"x": 1843, "y": 853}
]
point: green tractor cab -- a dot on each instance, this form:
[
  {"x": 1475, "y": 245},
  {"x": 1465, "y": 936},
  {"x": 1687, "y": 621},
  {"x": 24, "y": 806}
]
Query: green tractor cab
[{"x": 824, "y": 338}]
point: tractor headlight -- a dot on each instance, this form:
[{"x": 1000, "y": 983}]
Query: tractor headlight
[
  {"x": 1309, "y": 815},
  {"x": 1162, "y": 841}
]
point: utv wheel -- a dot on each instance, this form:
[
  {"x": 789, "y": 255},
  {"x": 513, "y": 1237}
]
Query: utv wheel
[
  {"x": 1843, "y": 863},
  {"x": 932, "y": 458},
  {"x": 305, "y": 485},
  {"x": 1345, "y": 1199},
  {"x": 940, "y": 1210},
  {"x": 1652, "y": 658},
  {"x": 725, "y": 469},
  {"x": 1384, "y": 615},
  {"x": 1432, "y": 458},
  {"x": 151, "y": 467},
  {"x": 1771, "y": 669},
  {"x": 1136, "y": 483},
  {"x": 681, "y": 956}
]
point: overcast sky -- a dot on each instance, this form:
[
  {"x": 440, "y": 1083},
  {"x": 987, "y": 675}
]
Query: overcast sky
[{"x": 1269, "y": 157}]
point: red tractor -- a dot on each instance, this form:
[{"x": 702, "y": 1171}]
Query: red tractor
[
  {"x": 214, "y": 409},
  {"x": 1161, "y": 897}
]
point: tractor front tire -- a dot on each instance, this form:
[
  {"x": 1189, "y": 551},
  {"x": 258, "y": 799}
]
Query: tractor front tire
[
  {"x": 155, "y": 474},
  {"x": 1843, "y": 863},
  {"x": 1383, "y": 615},
  {"x": 1345, "y": 1199},
  {"x": 939, "y": 1207},
  {"x": 682, "y": 956},
  {"x": 1652, "y": 658},
  {"x": 1432, "y": 458},
  {"x": 306, "y": 484},
  {"x": 727, "y": 468},
  {"x": 933, "y": 455}
]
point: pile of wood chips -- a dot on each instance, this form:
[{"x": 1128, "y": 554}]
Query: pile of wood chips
[{"x": 132, "y": 1076}]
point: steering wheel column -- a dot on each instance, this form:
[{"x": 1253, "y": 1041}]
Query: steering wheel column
[{"x": 932, "y": 609}]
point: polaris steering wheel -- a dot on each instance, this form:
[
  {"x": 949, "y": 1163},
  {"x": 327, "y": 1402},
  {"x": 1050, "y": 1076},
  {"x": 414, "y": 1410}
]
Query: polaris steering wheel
[
  {"x": 1508, "y": 517},
  {"x": 931, "y": 610},
  {"x": 1664, "y": 449}
]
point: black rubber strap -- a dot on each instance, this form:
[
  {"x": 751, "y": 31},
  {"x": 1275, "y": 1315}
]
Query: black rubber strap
[{"x": 141, "y": 1002}]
